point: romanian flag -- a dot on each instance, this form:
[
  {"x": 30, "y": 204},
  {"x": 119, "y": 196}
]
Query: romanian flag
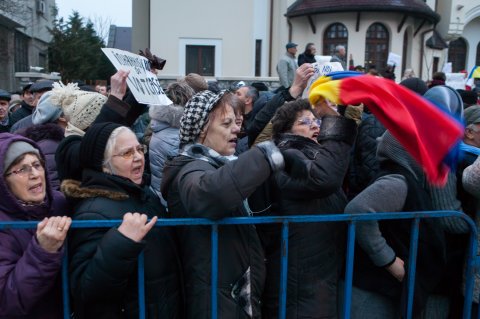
[
  {"x": 428, "y": 133},
  {"x": 474, "y": 74}
]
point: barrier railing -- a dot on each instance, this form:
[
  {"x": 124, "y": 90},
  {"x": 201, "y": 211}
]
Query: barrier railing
[{"x": 472, "y": 261}]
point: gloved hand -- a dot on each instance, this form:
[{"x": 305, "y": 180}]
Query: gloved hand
[
  {"x": 354, "y": 112},
  {"x": 295, "y": 165},
  {"x": 155, "y": 62}
]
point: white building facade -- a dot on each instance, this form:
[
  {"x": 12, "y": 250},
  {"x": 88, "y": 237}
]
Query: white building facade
[{"x": 226, "y": 39}]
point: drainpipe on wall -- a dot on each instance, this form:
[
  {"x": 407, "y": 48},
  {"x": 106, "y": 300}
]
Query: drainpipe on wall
[
  {"x": 422, "y": 51},
  {"x": 270, "y": 40},
  {"x": 289, "y": 30}
]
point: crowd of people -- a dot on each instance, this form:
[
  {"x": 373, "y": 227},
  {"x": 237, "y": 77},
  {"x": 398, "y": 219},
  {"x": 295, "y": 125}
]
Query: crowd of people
[{"x": 71, "y": 152}]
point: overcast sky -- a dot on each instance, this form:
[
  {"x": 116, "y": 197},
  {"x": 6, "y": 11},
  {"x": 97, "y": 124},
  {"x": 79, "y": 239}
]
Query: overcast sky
[{"x": 119, "y": 12}]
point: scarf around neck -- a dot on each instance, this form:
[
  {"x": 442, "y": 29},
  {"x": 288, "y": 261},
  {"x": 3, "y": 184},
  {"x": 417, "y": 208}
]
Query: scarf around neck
[{"x": 204, "y": 153}]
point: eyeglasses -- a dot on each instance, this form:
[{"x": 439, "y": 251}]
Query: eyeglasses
[
  {"x": 129, "y": 153},
  {"x": 309, "y": 121},
  {"x": 27, "y": 169}
]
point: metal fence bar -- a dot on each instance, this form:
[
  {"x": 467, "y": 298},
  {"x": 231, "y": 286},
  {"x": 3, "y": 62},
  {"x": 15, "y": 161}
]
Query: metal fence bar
[
  {"x": 349, "y": 270},
  {"x": 214, "y": 275},
  {"x": 412, "y": 261},
  {"x": 141, "y": 286},
  {"x": 471, "y": 268},
  {"x": 65, "y": 289},
  {"x": 283, "y": 272}
]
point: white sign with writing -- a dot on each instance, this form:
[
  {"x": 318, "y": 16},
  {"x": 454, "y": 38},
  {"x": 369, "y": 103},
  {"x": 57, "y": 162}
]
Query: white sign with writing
[
  {"x": 141, "y": 81},
  {"x": 321, "y": 69},
  {"x": 394, "y": 59},
  {"x": 455, "y": 80}
]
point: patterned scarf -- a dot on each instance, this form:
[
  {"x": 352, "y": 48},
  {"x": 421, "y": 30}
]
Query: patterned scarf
[{"x": 203, "y": 153}]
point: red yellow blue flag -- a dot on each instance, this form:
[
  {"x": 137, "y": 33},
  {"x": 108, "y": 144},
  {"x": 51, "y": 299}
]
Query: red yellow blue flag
[{"x": 430, "y": 135}]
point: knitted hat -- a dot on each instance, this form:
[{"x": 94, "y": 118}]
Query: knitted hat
[
  {"x": 416, "y": 85},
  {"x": 472, "y": 115},
  {"x": 80, "y": 107},
  {"x": 196, "y": 82},
  {"x": 195, "y": 115},
  {"x": 468, "y": 97},
  {"x": 94, "y": 142},
  {"x": 46, "y": 111},
  {"x": 15, "y": 150}
]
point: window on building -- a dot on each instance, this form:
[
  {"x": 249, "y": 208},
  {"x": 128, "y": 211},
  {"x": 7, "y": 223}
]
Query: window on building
[
  {"x": 258, "y": 57},
  {"x": 436, "y": 60},
  {"x": 21, "y": 52},
  {"x": 42, "y": 60},
  {"x": 335, "y": 34},
  {"x": 376, "y": 47},
  {"x": 405, "y": 51},
  {"x": 457, "y": 54},
  {"x": 477, "y": 60},
  {"x": 200, "y": 59}
]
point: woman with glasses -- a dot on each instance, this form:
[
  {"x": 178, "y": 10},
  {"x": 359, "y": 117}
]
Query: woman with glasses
[
  {"x": 30, "y": 259},
  {"x": 103, "y": 266},
  {"x": 315, "y": 249}
]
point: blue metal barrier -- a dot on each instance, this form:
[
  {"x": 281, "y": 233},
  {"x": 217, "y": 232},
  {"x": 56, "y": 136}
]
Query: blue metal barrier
[{"x": 351, "y": 219}]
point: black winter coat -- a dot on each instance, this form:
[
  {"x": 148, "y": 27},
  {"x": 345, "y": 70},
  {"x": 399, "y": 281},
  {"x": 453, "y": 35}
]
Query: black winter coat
[
  {"x": 316, "y": 250},
  {"x": 103, "y": 262},
  {"x": 196, "y": 188}
]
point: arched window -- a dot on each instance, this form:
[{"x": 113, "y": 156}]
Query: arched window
[
  {"x": 376, "y": 47},
  {"x": 457, "y": 54},
  {"x": 335, "y": 34},
  {"x": 477, "y": 60}
]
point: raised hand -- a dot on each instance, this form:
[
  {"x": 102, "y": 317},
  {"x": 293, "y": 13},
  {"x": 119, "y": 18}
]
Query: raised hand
[
  {"x": 135, "y": 226},
  {"x": 118, "y": 84},
  {"x": 51, "y": 232},
  {"x": 302, "y": 74}
]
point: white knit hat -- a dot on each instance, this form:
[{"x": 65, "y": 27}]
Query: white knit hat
[{"x": 80, "y": 107}]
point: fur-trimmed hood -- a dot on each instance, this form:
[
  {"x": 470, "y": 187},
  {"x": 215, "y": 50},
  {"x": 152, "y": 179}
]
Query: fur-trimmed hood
[
  {"x": 169, "y": 114},
  {"x": 73, "y": 188},
  {"x": 49, "y": 131}
]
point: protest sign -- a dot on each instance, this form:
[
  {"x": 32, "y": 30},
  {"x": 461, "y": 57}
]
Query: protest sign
[
  {"x": 447, "y": 68},
  {"x": 141, "y": 81},
  {"x": 319, "y": 70},
  {"x": 323, "y": 58},
  {"x": 394, "y": 59},
  {"x": 456, "y": 80}
]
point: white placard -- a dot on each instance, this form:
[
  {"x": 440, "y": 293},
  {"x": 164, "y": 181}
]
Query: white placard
[
  {"x": 323, "y": 58},
  {"x": 447, "y": 68},
  {"x": 319, "y": 70},
  {"x": 394, "y": 59},
  {"x": 455, "y": 80},
  {"x": 141, "y": 81}
]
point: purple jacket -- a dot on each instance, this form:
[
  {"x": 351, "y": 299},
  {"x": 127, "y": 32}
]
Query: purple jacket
[{"x": 29, "y": 276}]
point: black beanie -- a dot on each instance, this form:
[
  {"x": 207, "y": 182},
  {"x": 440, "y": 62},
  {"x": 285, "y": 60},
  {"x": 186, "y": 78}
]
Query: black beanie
[
  {"x": 416, "y": 85},
  {"x": 94, "y": 143}
]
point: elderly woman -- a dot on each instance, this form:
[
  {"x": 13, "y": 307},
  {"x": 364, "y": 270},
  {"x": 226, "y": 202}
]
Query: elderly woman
[
  {"x": 103, "y": 267},
  {"x": 205, "y": 180},
  {"x": 315, "y": 249},
  {"x": 30, "y": 260}
]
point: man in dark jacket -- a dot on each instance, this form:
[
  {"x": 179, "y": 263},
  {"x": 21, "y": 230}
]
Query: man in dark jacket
[
  {"x": 4, "y": 118},
  {"x": 308, "y": 56}
]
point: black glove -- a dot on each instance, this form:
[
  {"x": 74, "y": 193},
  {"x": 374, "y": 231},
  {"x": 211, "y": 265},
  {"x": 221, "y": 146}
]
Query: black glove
[
  {"x": 155, "y": 61},
  {"x": 295, "y": 165}
]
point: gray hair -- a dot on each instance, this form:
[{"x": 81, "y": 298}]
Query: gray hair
[
  {"x": 112, "y": 141},
  {"x": 338, "y": 48},
  {"x": 252, "y": 93}
]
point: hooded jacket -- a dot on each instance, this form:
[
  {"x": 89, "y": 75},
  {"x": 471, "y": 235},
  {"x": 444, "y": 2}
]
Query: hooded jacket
[
  {"x": 400, "y": 186},
  {"x": 29, "y": 275},
  {"x": 165, "y": 140},
  {"x": 103, "y": 262}
]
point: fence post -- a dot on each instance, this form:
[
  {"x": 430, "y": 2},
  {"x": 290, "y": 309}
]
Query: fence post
[
  {"x": 141, "y": 286},
  {"x": 65, "y": 289},
  {"x": 412, "y": 261},
  {"x": 283, "y": 272},
  {"x": 214, "y": 276},
  {"x": 349, "y": 270}
]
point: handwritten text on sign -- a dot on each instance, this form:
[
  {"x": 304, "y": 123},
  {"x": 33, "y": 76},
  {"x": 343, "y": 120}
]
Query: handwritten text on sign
[{"x": 141, "y": 81}]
